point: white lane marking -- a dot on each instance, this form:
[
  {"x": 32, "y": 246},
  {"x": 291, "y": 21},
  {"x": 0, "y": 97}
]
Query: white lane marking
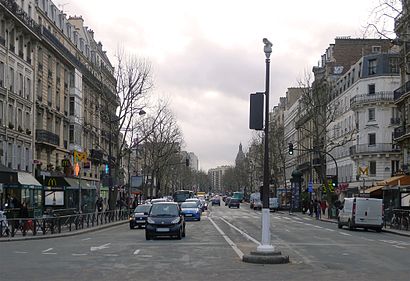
[
  {"x": 85, "y": 239},
  {"x": 48, "y": 250},
  {"x": 317, "y": 226},
  {"x": 331, "y": 230},
  {"x": 227, "y": 239},
  {"x": 136, "y": 252},
  {"x": 307, "y": 223},
  {"x": 105, "y": 246},
  {"x": 287, "y": 230},
  {"x": 79, "y": 254},
  {"x": 17, "y": 252},
  {"x": 345, "y": 254},
  {"x": 346, "y": 234},
  {"x": 49, "y": 253},
  {"x": 146, "y": 256},
  {"x": 400, "y": 247},
  {"x": 308, "y": 219},
  {"x": 296, "y": 218},
  {"x": 247, "y": 236},
  {"x": 368, "y": 239},
  {"x": 110, "y": 255}
]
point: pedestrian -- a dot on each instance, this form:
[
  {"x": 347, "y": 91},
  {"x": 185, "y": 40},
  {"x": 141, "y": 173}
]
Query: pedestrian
[
  {"x": 323, "y": 206},
  {"x": 311, "y": 208},
  {"x": 315, "y": 207},
  {"x": 24, "y": 218},
  {"x": 318, "y": 204}
]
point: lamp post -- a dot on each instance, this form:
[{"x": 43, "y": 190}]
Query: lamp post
[
  {"x": 265, "y": 253},
  {"x": 265, "y": 245}
]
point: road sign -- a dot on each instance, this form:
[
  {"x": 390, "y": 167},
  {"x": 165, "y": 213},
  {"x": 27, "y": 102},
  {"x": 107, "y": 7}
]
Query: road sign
[{"x": 310, "y": 187}]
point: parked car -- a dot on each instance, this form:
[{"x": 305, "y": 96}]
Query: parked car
[
  {"x": 234, "y": 203},
  {"x": 273, "y": 204},
  {"x": 365, "y": 213},
  {"x": 190, "y": 210},
  {"x": 139, "y": 216},
  {"x": 216, "y": 201},
  {"x": 165, "y": 219}
]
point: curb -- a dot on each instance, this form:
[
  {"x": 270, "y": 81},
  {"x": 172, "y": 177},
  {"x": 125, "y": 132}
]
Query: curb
[
  {"x": 397, "y": 233},
  {"x": 66, "y": 234}
]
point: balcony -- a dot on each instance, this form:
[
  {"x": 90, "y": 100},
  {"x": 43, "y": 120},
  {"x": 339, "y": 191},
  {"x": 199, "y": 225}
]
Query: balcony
[
  {"x": 402, "y": 90},
  {"x": 18, "y": 12},
  {"x": 47, "y": 138},
  {"x": 371, "y": 98},
  {"x": 373, "y": 149},
  {"x": 399, "y": 132}
]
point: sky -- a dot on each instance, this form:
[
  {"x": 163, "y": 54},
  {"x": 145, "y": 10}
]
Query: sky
[{"x": 207, "y": 56}]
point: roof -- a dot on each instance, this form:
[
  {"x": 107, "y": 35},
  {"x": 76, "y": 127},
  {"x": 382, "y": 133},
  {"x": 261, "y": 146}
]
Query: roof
[{"x": 373, "y": 189}]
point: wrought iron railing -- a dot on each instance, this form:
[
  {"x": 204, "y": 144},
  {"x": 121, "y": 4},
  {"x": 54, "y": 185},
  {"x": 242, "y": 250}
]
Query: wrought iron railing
[
  {"x": 48, "y": 137},
  {"x": 52, "y": 224},
  {"x": 375, "y": 148},
  {"x": 367, "y": 98},
  {"x": 403, "y": 89}
]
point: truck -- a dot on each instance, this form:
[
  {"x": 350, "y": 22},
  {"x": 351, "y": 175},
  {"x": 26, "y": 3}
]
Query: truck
[{"x": 238, "y": 195}]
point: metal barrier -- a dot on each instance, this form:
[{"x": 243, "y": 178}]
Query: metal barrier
[
  {"x": 58, "y": 224},
  {"x": 397, "y": 219}
]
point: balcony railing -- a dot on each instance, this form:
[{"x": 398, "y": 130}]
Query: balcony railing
[
  {"x": 45, "y": 136},
  {"x": 368, "y": 98},
  {"x": 17, "y": 11},
  {"x": 399, "y": 132},
  {"x": 376, "y": 148},
  {"x": 403, "y": 89}
]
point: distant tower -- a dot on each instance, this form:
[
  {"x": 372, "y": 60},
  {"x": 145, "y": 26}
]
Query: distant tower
[{"x": 240, "y": 157}]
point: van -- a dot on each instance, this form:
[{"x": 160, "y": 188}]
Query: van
[
  {"x": 273, "y": 204},
  {"x": 360, "y": 212}
]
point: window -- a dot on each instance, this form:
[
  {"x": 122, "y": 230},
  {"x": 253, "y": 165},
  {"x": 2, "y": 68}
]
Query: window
[
  {"x": 372, "y": 139},
  {"x": 372, "y": 66},
  {"x": 28, "y": 88},
  {"x": 49, "y": 96},
  {"x": 376, "y": 49},
  {"x": 371, "y": 89},
  {"x": 372, "y": 168},
  {"x": 1, "y": 74},
  {"x": 11, "y": 79},
  {"x": 394, "y": 65},
  {"x": 27, "y": 120},
  {"x": 71, "y": 134},
  {"x": 71, "y": 106},
  {"x": 372, "y": 114}
]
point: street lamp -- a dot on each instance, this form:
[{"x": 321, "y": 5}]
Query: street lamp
[{"x": 265, "y": 252}]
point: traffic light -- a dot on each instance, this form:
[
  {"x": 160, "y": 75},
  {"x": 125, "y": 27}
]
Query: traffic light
[
  {"x": 335, "y": 182},
  {"x": 290, "y": 151},
  {"x": 187, "y": 162}
]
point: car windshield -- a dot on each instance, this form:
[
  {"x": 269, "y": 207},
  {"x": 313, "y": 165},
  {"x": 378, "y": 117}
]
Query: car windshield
[
  {"x": 142, "y": 209},
  {"x": 189, "y": 205},
  {"x": 164, "y": 210}
]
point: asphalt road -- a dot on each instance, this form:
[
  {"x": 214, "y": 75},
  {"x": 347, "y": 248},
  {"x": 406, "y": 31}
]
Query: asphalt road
[{"x": 212, "y": 250}]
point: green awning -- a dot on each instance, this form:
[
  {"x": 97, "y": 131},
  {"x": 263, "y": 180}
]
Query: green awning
[{"x": 26, "y": 180}]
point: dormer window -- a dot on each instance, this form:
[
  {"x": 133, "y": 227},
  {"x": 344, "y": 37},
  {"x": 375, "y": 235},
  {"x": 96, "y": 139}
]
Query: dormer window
[{"x": 376, "y": 49}]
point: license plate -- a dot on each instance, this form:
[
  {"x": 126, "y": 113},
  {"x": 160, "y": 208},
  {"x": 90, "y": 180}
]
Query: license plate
[
  {"x": 140, "y": 219},
  {"x": 162, "y": 229},
  {"x": 188, "y": 215}
]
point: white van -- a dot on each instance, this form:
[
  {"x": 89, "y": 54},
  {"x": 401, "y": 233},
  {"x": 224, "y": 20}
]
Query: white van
[{"x": 361, "y": 212}]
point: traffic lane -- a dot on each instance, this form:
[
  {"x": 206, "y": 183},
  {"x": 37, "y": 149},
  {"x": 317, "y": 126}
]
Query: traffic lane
[
  {"x": 322, "y": 245},
  {"x": 122, "y": 252}
]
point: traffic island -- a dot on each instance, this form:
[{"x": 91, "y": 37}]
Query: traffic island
[{"x": 265, "y": 258}]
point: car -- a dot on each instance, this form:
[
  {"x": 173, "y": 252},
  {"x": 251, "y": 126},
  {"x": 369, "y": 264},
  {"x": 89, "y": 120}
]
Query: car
[
  {"x": 190, "y": 210},
  {"x": 216, "y": 201},
  {"x": 158, "y": 200},
  {"x": 227, "y": 201},
  {"x": 165, "y": 219},
  {"x": 234, "y": 202},
  {"x": 196, "y": 200},
  {"x": 139, "y": 216}
]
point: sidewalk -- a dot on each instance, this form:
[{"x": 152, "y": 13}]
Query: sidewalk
[
  {"x": 30, "y": 236},
  {"x": 386, "y": 229}
]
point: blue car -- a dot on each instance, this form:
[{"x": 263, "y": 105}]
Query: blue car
[{"x": 191, "y": 210}]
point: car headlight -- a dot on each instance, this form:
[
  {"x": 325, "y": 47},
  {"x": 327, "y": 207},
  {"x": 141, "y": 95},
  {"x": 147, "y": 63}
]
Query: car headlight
[
  {"x": 149, "y": 220},
  {"x": 175, "y": 220}
]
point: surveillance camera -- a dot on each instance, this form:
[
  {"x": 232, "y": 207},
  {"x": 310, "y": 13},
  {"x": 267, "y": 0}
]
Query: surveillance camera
[{"x": 266, "y": 41}]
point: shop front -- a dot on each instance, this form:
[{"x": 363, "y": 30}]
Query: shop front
[
  {"x": 88, "y": 192},
  {"x": 54, "y": 192}
]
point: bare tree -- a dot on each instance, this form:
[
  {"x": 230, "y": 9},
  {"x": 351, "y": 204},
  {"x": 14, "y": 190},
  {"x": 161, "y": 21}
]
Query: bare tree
[{"x": 381, "y": 19}]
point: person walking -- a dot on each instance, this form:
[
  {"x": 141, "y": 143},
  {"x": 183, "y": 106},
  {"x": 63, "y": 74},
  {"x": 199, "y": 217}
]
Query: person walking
[
  {"x": 323, "y": 206},
  {"x": 24, "y": 218}
]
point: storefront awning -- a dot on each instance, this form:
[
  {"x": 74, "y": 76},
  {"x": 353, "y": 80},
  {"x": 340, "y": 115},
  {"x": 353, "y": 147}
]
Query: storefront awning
[
  {"x": 397, "y": 180},
  {"x": 75, "y": 184},
  {"x": 373, "y": 189},
  {"x": 28, "y": 181}
]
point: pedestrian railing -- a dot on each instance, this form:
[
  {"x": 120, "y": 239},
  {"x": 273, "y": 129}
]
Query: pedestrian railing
[
  {"x": 58, "y": 224},
  {"x": 398, "y": 219}
]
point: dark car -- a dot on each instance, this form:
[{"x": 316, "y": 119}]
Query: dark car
[
  {"x": 216, "y": 201},
  {"x": 165, "y": 219},
  {"x": 233, "y": 203},
  {"x": 139, "y": 216}
]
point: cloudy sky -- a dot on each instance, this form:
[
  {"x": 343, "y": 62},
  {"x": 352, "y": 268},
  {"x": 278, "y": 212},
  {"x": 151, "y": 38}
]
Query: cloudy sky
[{"x": 208, "y": 55}]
